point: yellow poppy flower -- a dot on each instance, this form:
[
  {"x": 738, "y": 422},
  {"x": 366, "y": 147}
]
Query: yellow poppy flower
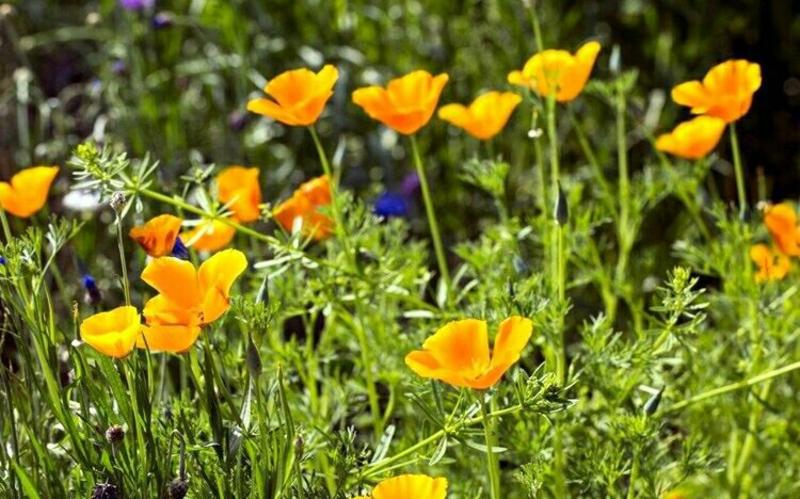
[
  {"x": 772, "y": 265},
  {"x": 781, "y": 222},
  {"x": 188, "y": 298},
  {"x": 209, "y": 235},
  {"x": 692, "y": 139},
  {"x": 157, "y": 236},
  {"x": 409, "y": 487},
  {"x": 485, "y": 117},
  {"x": 725, "y": 92},
  {"x": 557, "y": 71},
  {"x": 113, "y": 333},
  {"x": 458, "y": 353},
  {"x": 27, "y": 191},
  {"x": 238, "y": 188},
  {"x": 406, "y": 104},
  {"x": 300, "y": 96},
  {"x": 304, "y": 204}
]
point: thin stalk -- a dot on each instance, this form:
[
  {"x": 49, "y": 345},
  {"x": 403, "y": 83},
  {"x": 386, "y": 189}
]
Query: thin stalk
[
  {"x": 633, "y": 477},
  {"x": 624, "y": 235},
  {"x": 123, "y": 262},
  {"x": 541, "y": 183},
  {"x": 752, "y": 429},
  {"x": 492, "y": 467},
  {"x": 537, "y": 30},
  {"x": 738, "y": 170},
  {"x": 432, "y": 222},
  {"x": 561, "y": 282},
  {"x": 732, "y": 387},
  {"x": 341, "y": 230},
  {"x": 6, "y": 227}
]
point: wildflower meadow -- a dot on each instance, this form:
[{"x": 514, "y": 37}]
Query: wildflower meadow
[{"x": 399, "y": 249}]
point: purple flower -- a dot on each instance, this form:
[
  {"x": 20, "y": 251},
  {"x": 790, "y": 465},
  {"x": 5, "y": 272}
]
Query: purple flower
[
  {"x": 409, "y": 184},
  {"x": 136, "y": 4},
  {"x": 93, "y": 295},
  {"x": 162, "y": 20},
  {"x": 391, "y": 204}
]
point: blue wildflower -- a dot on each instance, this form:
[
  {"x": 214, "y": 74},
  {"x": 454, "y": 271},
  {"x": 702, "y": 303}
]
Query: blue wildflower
[
  {"x": 2, "y": 261},
  {"x": 136, "y": 4},
  {"x": 179, "y": 250},
  {"x": 391, "y": 204},
  {"x": 93, "y": 295},
  {"x": 162, "y": 20}
]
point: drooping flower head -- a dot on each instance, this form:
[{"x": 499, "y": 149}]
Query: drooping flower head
[
  {"x": 188, "y": 298},
  {"x": 557, "y": 72},
  {"x": 299, "y": 96},
  {"x": 781, "y": 222},
  {"x": 27, "y": 191},
  {"x": 113, "y": 333},
  {"x": 157, "y": 236},
  {"x": 693, "y": 139},
  {"x": 409, "y": 487},
  {"x": 304, "y": 206},
  {"x": 406, "y": 104},
  {"x": 458, "y": 353},
  {"x": 726, "y": 91},
  {"x": 209, "y": 235},
  {"x": 486, "y": 115},
  {"x": 772, "y": 265},
  {"x": 238, "y": 188}
]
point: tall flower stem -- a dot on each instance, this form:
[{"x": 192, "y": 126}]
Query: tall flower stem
[
  {"x": 432, "y": 222},
  {"x": 492, "y": 466},
  {"x": 738, "y": 170},
  {"x": 122, "y": 260},
  {"x": 6, "y": 227},
  {"x": 625, "y": 235},
  {"x": 341, "y": 230}
]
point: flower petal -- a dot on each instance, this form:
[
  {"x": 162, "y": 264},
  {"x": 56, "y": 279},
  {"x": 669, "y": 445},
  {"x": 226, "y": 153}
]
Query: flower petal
[{"x": 175, "y": 279}]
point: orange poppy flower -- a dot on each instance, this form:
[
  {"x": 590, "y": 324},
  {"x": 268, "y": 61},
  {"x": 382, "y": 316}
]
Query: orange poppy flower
[
  {"x": 113, "y": 333},
  {"x": 237, "y": 188},
  {"x": 557, "y": 71},
  {"x": 725, "y": 92},
  {"x": 408, "y": 487},
  {"x": 304, "y": 205},
  {"x": 458, "y": 353},
  {"x": 188, "y": 298},
  {"x": 209, "y": 235},
  {"x": 772, "y": 265},
  {"x": 485, "y": 117},
  {"x": 157, "y": 236},
  {"x": 406, "y": 104},
  {"x": 27, "y": 191},
  {"x": 692, "y": 139},
  {"x": 781, "y": 222},
  {"x": 300, "y": 96}
]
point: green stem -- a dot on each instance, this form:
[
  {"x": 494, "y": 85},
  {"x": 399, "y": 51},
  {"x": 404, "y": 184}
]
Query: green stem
[
  {"x": 541, "y": 183},
  {"x": 633, "y": 477},
  {"x": 341, "y": 230},
  {"x": 123, "y": 262},
  {"x": 6, "y": 227},
  {"x": 537, "y": 31},
  {"x": 434, "y": 226},
  {"x": 732, "y": 387},
  {"x": 752, "y": 428},
  {"x": 561, "y": 360},
  {"x": 738, "y": 170},
  {"x": 492, "y": 466}
]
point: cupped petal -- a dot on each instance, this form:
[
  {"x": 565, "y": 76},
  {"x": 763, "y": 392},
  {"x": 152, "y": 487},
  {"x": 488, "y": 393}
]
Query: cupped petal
[
  {"x": 159, "y": 310},
  {"x": 692, "y": 139},
  {"x": 238, "y": 188},
  {"x": 411, "y": 487},
  {"x": 157, "y": 236},
  {"x": 112, "y": 333},
  {"x": 461, "y": 346},
  {"x": 209, "y": 235},
  {"x": 291, "y": 87},
  {"x": 781, "y": 222},
  {"x": 174, "y": 278},
  {"x": 574, "y": 75},
  {"x": 216, "y": 276},
  {"x": 512, "y": 337},
  {"x": 692, "y": 94},
  {"x": 27, "y": 192},
  {"x": 172, "y": 339},
  {"x": 455, "y": 114},
  {"x": 270, "y": 109}
]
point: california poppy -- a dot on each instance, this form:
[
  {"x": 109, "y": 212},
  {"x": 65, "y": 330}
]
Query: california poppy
[
  {"x": 458, "y": 353},
  {"x": 408, "y": 487},
  {"x": 188, "y": 298},
  {"x": 158, "y": 235},
  {"x": 238, "y": 188},
  {"x": 209, "y": 235},
  {"x": 485, "y": 117},
  {"x": 692, "y": 139},
  {"x": 772, "y": 265},
  {"x": 725, "y": 92},
  {"x": 300, "y": 96},
  {"x": 113, "y": 333},
  {"x": 781, "y": 222},
  {"x": 27, "y": 191},
  {"x": 406, "y": 104},
  {"x": 557, "y": 71},
  {"x": 304, "y": 205}
]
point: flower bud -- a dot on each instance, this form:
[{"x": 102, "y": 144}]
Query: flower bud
[
  {"x": 117, "y": 201},
  {"x": 115, "y": 434},
  {"x": 299, "y": 445},
  {"x": 177, "y": 488},
  {"x": 651, "y": 406},
  {"x": 561, "y": 210},
  {"x": 105, "y": 491}
]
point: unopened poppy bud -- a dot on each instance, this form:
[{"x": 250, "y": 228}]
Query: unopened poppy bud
[
  {"x": 651, "y": 406},
  {"x": 177, "y": 488},
  {"x": 117, "y": 201},
  {"x": 253, "y": 359},
  {"x": 105, "y": 491},
  {"x": 115, "y": 434},
  {"x": 561, "y": 210},
  {"x": 299, "y": 445}
]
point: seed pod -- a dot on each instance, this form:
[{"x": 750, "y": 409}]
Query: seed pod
[
  {"x": 177, "y": 488},
  {"x": 105, "y": 491},
  {"x": 561, "y": 210},
  {"x": 115, "y": 434},
  {"x": 651, "y": 406},
  {"x": 117, "y": 201},
  {"x": 299, "y": 445}
]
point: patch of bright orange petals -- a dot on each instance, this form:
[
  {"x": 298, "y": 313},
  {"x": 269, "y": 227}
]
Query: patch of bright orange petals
[
  {"x": 299, "y": 96},
  {"x": 27, "y": 191},
  {"x": 158, "y": 235},
  {"x": 409, "y": 487},
  {"x": 458, "y": 353},
  {"x": 113, "y": 333},
  {"x": 303, "y": 208},
  {"x": 693, "y": 139},
  {"x": 485, "y": 117},
  {"x": 557, "y": 72},
  {"x": 775, "y": 263}
]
